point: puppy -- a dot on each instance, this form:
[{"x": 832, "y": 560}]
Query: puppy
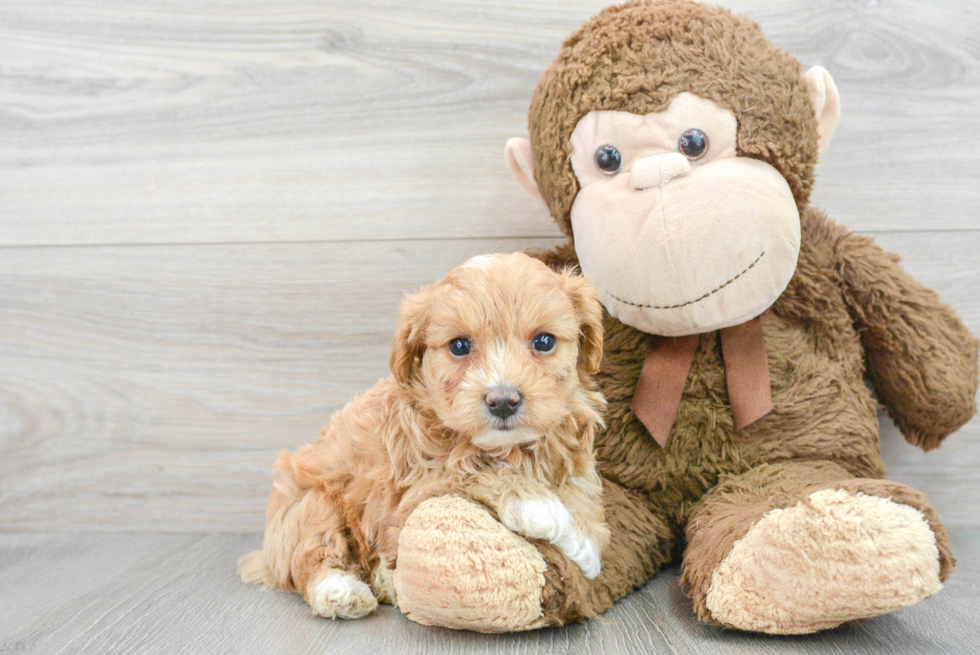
[{"x": 491, "y": 398}]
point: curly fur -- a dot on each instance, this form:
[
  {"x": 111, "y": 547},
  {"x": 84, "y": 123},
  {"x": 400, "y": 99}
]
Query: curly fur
[{"x": 337, "y": 505}]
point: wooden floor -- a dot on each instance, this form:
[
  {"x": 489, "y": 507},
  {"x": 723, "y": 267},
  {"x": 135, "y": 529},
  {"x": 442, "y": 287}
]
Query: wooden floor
[
  {"x": 176, "y": 593},
  {"x": 209, "y": 211}
]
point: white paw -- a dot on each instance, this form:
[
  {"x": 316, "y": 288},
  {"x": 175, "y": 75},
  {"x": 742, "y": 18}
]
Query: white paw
[
  {"x": 538, "y": 518},
  {"x": 583, "y": 552},
  {"x": 549, "y": 519},
  {"x": 342, "y": 596}
]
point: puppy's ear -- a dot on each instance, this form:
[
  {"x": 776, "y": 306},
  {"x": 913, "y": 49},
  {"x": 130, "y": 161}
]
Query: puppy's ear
[
  {"x": 585, "y": 298},
  {"x": 407, "y": 346}
]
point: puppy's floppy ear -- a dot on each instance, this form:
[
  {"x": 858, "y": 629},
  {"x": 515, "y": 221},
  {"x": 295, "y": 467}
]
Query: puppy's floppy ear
[
  {"x": 407, "y": 346},
  {"x": 585, "y": 298}
]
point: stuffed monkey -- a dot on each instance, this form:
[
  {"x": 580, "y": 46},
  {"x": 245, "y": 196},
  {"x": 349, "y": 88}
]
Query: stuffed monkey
[{"x": 675, "y": 147}]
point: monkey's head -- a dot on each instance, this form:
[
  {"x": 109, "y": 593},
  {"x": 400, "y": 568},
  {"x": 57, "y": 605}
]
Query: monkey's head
[{"x": 675, "y": 145}]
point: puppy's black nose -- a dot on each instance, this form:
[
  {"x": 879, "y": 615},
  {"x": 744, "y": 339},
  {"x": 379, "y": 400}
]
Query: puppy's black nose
[{"x": 503, "y": 401}]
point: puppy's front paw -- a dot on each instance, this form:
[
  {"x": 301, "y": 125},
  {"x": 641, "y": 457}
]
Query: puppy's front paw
[
  {"x": 549, "y": 519},
  {"x": 537, "y": 518},
  {"x": 582, "y": 551},
  {"x": 342, "y": 596}
]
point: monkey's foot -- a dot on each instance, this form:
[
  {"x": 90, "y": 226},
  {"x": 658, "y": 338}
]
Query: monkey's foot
[
  {"x": 835, "y": 557},
  {"x": 458, "y": 567}
]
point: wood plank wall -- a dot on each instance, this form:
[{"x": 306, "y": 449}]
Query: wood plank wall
[{"x": 209, "y": 213}]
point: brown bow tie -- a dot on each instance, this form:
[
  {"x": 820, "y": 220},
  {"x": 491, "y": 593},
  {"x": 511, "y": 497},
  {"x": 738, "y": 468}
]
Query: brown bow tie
[{"x": 668, "y": 361}]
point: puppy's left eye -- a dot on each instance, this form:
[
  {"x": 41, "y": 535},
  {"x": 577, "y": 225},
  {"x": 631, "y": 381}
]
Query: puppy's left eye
[
  {"x": 544, "y": 342},
  {"x": 461, "y": 346}
]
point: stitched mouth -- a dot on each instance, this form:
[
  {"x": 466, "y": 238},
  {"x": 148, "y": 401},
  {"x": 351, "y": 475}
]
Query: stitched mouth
[{"x": 696, "y": 300}]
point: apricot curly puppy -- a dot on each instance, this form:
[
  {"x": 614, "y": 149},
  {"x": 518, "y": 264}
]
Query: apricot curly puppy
[{"x": 491, "y": 398}]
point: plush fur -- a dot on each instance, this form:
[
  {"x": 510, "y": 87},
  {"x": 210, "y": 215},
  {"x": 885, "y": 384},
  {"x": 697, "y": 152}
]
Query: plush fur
[
  {"x": 793, "y": 544},
  {"x": 338, "y": 504},
  {"x": 850, "y": 331},
  {"x": 823, "y": 337},
  {"x": 605, "y": 66}
]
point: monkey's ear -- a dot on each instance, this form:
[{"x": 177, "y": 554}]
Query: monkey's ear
[
  {"x": 826, "y": 103},
  {"x": 407, "y": 346},
  {"x": 520, "y": 161}
]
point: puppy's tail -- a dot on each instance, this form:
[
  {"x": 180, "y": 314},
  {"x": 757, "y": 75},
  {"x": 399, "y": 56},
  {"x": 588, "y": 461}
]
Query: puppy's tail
[{"x": 255, "y": 570}]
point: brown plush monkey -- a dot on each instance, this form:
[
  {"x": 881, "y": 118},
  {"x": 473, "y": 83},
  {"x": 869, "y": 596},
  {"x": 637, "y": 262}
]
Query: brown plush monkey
[{"x": 675, "y": 147}]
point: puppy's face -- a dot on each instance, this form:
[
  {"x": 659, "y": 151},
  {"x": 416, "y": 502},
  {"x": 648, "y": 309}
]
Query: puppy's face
[{"x": 499, "y": 348}]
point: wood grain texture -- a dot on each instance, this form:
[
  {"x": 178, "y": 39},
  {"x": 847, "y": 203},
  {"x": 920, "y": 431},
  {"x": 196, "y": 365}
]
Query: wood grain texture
[
  {"x": 249, "y": 121},
  {"x": 152, "y": 385},
  {"x": 149, "y": 386},
  {"x": 146, "y": 594},
  {"x": 209, "y": 212}
]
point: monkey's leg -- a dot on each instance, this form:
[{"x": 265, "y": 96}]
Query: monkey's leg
[
  {"x": 797, "y": 547},
  {"x": 458, "y": 567}
]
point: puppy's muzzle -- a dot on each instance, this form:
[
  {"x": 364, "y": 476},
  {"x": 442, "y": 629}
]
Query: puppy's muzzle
[{"x": 503, "y": 402}]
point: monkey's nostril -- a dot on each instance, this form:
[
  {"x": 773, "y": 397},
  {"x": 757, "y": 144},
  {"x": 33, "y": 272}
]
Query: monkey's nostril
[{"x": 503, "y": 402}]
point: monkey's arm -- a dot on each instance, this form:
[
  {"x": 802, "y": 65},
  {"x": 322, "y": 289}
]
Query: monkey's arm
[{"x": 923, "y": 360}]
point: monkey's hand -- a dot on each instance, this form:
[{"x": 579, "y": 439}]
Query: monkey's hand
[{"x": 923, "y": 360}]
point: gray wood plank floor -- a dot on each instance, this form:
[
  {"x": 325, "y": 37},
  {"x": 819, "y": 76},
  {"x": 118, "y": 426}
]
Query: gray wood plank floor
[
  {"x": 142, "y": 594},
  {"x": 209, "y": 211}
]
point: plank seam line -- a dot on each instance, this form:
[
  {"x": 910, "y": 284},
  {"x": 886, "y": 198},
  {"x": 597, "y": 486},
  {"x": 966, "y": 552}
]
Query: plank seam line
[{"x": 526, "y": 237}]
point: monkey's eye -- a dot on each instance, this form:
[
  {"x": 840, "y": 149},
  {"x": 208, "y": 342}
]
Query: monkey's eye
[
  {"x": 460, "y": 346},
  {"x": 544, "y": 342},
  {"x": 693, "y": 143},
  {"x": 608, "y": 160}
]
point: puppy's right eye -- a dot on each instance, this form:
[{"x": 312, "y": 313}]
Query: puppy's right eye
[{"x": 460, "y": 346}]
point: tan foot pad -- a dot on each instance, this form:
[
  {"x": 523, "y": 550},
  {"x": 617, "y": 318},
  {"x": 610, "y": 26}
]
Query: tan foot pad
[
  {"x": 458, "y": 567},
  {"x": 834, "y": 558}
]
